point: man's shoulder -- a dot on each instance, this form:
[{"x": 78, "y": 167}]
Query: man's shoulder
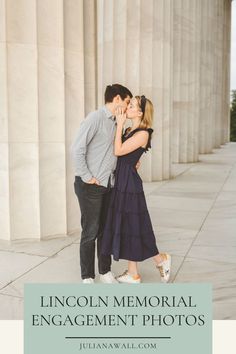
[
  {"x": 92, "y": 115},
  {"x": 92, "y": 119},
  {"x": 96, "y": 115}
]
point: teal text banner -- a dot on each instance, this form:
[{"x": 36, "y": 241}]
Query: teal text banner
[{"x": 118, "y": 318}]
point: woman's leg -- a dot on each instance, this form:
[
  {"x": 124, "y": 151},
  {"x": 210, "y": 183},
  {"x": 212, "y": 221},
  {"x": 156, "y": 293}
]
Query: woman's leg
[
  {"x": 158, "y": 259},
  {"x": 132, "y": 268},
  {"x": 131, "y": 275}
]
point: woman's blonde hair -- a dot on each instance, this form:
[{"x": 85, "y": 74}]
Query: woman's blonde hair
[{"x": 146, "y": 107}]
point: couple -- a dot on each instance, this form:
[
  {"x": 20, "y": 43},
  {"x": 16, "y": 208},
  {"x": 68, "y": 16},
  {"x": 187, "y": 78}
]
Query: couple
[{"x": 110, "y": 191}]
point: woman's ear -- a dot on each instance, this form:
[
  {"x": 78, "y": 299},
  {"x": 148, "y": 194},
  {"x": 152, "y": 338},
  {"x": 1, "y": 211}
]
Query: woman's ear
[{"x": 140, "y": 114}]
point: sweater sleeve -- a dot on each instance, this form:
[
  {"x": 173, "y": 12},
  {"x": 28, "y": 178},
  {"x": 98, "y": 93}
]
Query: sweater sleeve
[{"x": 85, "y": 134}]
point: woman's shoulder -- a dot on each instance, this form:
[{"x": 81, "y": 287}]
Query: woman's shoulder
[
  {"x": 149, "y": 130},
  {"x": 129, "y": 132}
]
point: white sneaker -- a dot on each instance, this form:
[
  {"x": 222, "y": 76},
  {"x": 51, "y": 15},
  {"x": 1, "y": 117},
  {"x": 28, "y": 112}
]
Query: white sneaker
[
  {"x": 129, "y": 278},
  {"x": 108, "y": 278},
  {"x": 88, "y": 281},
  {"x": 164, "y": 267}
]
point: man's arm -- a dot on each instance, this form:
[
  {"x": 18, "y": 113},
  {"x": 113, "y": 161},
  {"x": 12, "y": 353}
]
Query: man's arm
[{"x": 84, "y": 136}]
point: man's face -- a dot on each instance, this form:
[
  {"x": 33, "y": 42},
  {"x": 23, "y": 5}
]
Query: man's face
[{"x": 123, "y": 103}]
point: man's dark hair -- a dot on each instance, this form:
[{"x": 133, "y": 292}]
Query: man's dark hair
[{"x": 114, "y": 90}]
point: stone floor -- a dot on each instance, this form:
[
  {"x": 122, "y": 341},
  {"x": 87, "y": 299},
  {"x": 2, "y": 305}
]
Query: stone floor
[{"x": 194, "y": 217}]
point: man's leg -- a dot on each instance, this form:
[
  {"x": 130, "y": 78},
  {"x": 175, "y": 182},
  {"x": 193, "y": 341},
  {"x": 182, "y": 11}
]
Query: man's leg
[
  {"x": 104, "y": 262},
  {"x": 90, "y": 199}
]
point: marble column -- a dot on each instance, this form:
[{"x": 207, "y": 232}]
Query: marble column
[
  {"x": 75, "y": 99},
  {"x": 206, "y": 94},
  {"x": 225, "y": 133},
  {"x": 23, "y": 119},
  {"x": 177, "y": 51},
  {"x": 104, "y": 47},
  {"x": 214, "y": 68},
  {"x": 186, "y": 81},
  {"x": 140, "y": 49},
  {"x": 117, "y": 40},
  {"x": 51, "y": 117},
  {"x": 219, "y": 74},
  {"x": 228, "y": 61},
  {"x": 4, "y": 130},
  {"x": 40, "y": 113},
  {"x": 162, "y": 88},
  {"x": 224, "y": 71},
  {"x": 197, "y": 71},
  {"x": 135, "y": 48},
  {"x": 90, "y": 54},
  {"x": 211, "y": 64}
]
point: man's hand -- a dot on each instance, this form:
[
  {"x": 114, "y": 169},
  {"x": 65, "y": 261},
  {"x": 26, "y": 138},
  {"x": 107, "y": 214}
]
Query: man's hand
[
  {"x": 93, "y": 181},
  {"x": 138, "y": 165}
]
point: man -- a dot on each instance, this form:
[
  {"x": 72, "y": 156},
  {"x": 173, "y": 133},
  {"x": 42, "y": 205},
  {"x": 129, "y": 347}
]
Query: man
[{"x": 95, "y": 163}]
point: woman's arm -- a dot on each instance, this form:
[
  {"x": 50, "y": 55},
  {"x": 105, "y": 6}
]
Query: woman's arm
[{"x": 137, "y": 140}]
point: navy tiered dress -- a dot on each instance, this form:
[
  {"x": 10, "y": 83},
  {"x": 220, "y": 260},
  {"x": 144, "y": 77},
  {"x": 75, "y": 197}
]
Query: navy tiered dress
[{"x": 128, "y": 232}]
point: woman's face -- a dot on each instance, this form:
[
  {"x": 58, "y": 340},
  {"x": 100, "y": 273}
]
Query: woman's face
[{"x": 133, "y": 110}]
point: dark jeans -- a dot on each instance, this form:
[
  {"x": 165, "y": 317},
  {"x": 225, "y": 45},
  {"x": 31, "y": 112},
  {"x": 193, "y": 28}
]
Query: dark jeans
[{"x": 93, "y": 201}]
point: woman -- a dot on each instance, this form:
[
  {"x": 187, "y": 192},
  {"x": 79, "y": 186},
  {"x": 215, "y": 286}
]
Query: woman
[{"x": 128, "y": 232}]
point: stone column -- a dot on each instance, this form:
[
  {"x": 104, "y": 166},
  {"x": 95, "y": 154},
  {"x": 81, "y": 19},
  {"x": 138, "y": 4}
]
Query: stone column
[
  {"x": 104, "y": 47},
  {"x": 51, "y": 117},
  {"x": 214, "y": 68},
  {"x": 224, "y": 71},
  {"x": 228, "y": 26},
  {"x": 23, "y": 120},
  {"x": 135, "y": 49},
  {"x": 177, "y": 51},
  {"x": 225, "y": 133},
  {"x": 4, "y": 130},
  {"x": 197, "y": 71},
  {"x": 75, "y": 99},
  {"x": 90, "y": 54},
  {"x": 211, "y": 65},
  {"x": 118, "y": 26},
  {"x": 140, "y": 49},
  {"x": 162, "y": 88},
  {"x": 206, "y": 94},
  {"x": 40, "y": 113},
  {"x": 186, "y": 81},
  {"x": 219, "y": 74}
]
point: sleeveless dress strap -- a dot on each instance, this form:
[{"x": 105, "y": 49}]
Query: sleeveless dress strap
[
  {"x": 148, "y": 146},
  {"x": 149, "y": 130}
]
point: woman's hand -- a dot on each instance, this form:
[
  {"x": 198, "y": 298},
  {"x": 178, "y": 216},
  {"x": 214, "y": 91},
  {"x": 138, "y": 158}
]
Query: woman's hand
[
  {"x": 138, "y": 164},
  {"x": 120, "y": 116}
]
